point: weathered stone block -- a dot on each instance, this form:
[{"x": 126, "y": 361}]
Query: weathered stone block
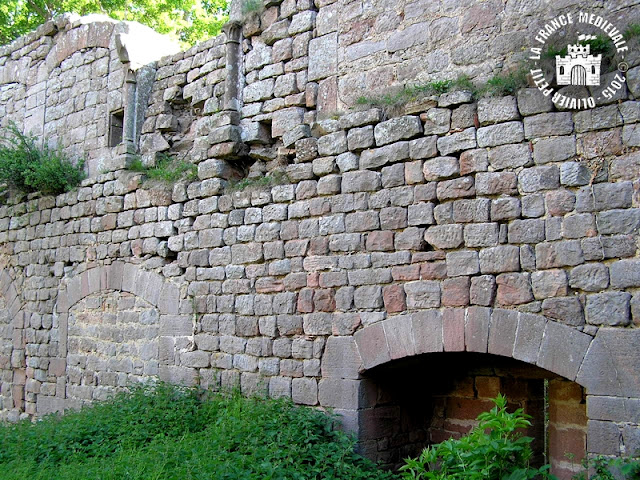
[
  {"x": 481, "y": 235},
  {"x": 567, "y": 310},
  {"x": 286, "y": 119},
  {"x": 562, "y": 350},
  {"x": 458, "y": 141},
  {"x": 554, "y": 149},
  {"x": 483, "y": 290},
  {"x": 501, "y": 134},
  {"x": 444, "y": 236},
  {"x": 422, "y": 294},
  {"x": 625, "y": 273},
  {"x": 509, "y": 156},
  {"x": 423, "y": 147},
  {"x": 497, "y": 109},
  {"x": 368, "y": 297},
  {"x": 472, "y": 161},
  {"x": 591, "y": 277},
  {"x": 513, "y": 289},
  {"x": 398, "y": 128},
  {"x": 549, "y": 283},
  {"x": 604, "y": 196},
  {"x": 323, "y": 57},
  {"x": 526, "y": 231},
  {"x": 548, "y": 124},
  {"x": 559, "y": 254},
  {"x": 360, "y": 138},
  {"x": 503, "y": 258},
  {"x": 437, "y": 121},
  {"x": 496, "y": 183},
  {"x": 505, "y": 208},
  {"x": 455, "y": 292},
  {"x": 623, "y": 221},
  {"x": 378, "y": 157},
  {"x": 456, "y": 188},
  {"x": 462, "y": 262},
  {"x": 502, "y": 332},
  {"x": 440, "y": 167},
  {"x": 532, "y": 101},
  {"x": 539, "y": 178},
  {"x": 476, "y": 330},
  {"x": 529, "y": 337},
  {"x": 420, "y": 214},
  {"x": 361, "y": 181},
  {"x": 372, "y": 345}
]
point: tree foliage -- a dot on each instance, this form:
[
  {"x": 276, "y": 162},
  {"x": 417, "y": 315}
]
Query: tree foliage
[{"x": 189, "y": 21}]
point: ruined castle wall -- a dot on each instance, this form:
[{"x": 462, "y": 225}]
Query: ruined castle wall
[
  {"x": 499, "y": 226},
  {"x": 62, "y": 82}
]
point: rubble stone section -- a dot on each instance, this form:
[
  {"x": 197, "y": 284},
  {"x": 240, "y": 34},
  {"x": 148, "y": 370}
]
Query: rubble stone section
[{"x": 112, "y": 342}]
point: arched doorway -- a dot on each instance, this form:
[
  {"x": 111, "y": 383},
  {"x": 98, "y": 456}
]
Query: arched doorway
[
  {"x": 598, "y": 368},
  {"x": 426, "y": 399},
  {"x": 578, "y": 75}
]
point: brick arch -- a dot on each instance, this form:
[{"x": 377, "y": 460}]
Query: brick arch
[
  {"x": 604, "y": 365},
  {"x": 530, "y": 338}
]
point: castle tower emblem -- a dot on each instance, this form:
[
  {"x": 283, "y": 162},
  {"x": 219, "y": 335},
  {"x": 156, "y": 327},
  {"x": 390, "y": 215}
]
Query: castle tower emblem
[{"x": 578, "y": 67}]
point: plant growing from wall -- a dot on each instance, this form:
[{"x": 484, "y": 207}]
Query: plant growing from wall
[
  {"x": 26, "y": 167},
  {"x": 505, "y": 83},
  {"x": 493, "y": 450},
  {"x": 273, "y": 178},
  {"x": 167, "y": 169}
]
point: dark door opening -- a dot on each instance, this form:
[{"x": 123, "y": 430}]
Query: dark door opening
[{"x": 427, "y": 399}]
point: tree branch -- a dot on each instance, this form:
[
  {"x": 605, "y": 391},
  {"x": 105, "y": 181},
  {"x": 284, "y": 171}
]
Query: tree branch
[{"x": 45, "y": 14}]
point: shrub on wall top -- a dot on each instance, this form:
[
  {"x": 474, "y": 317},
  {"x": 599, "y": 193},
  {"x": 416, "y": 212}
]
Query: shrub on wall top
[{"x": 26, "y": 167}]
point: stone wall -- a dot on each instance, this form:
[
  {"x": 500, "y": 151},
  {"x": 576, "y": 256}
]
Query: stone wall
[{"x": 500, "y": 226}]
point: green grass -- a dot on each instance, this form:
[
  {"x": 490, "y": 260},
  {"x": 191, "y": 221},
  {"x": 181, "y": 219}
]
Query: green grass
[
  {"x": 166, "y": 432},
  {"x": 504, "y": 83},
  {"x": 167, "y": 169},
  {"x": 632, "y": 31},
  {"x": 410, "y": 93}
]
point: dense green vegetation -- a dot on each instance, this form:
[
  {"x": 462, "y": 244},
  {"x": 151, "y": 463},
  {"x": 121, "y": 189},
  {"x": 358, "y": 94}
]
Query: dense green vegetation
[
  {"x": 188, "y": 21},
  {"x": 166, "y": 432},
  {"x": 494, "y": 450},
  {"x": 27, "y": 167}
]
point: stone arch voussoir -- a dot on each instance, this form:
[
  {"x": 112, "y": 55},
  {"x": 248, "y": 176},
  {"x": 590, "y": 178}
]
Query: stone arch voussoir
[
  {"x": 530, "y": 338},
  {"x": 126, "y": 277}
]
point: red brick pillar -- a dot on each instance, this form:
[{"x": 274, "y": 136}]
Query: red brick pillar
[{"x": 567, "y": 432}]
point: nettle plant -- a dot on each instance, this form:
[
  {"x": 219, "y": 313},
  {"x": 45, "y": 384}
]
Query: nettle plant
[{"x": 493, "y": 450}]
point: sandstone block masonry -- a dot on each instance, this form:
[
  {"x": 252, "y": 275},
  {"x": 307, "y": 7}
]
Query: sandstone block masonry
[
  {"x": 266, "y": 289},
  {"x": 497, "y": 227}
]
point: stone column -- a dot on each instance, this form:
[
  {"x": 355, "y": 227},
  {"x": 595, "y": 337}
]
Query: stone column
[
  {"x": 231, "y": 101},
  {"x": 129, "y": 130}
]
